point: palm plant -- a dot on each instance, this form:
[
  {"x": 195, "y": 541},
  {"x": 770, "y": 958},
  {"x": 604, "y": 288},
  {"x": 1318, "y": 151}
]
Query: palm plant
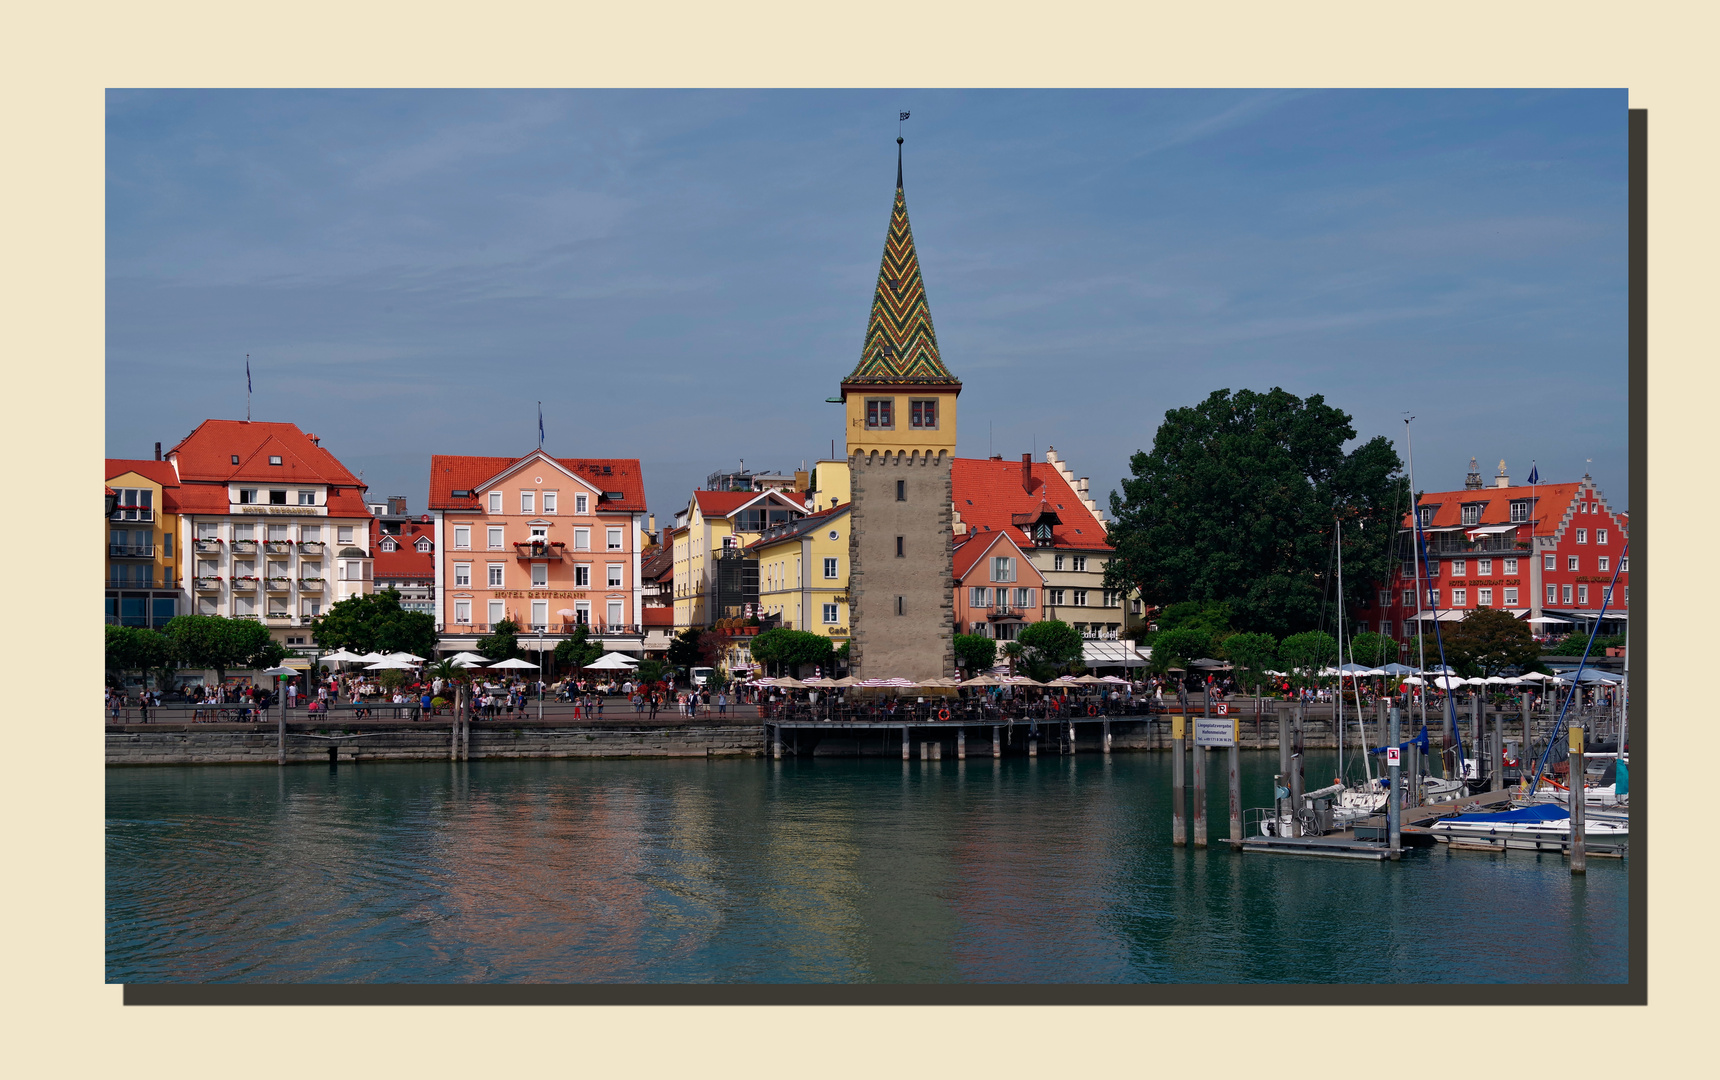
[{"x": 1013, "y": 650}]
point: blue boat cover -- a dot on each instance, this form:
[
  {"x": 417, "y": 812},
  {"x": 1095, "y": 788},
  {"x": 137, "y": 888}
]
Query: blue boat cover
[{"x": 1527, "y": 815}]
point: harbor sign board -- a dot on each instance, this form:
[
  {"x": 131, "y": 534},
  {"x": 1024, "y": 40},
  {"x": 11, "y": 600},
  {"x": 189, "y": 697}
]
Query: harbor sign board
[{"x": 1215, "y": 731}]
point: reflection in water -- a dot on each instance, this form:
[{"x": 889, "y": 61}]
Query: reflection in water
[{"x": 1021, "y": 870}]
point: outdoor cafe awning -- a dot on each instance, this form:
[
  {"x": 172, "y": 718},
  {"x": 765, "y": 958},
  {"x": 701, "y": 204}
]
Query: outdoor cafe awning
[
  {"x": 1121, "y": 653},
  {"x": 1485, "y": 529}
]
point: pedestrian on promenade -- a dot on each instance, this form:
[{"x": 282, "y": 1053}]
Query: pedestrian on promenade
[
  {"x": 652, "y": 697},
  {"x": 722, "y": 704}
]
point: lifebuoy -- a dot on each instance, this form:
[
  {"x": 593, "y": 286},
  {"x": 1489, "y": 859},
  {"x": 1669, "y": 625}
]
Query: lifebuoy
[
  {"x": 1092, "y": 710},
  {"x": 943, "y": 714}
]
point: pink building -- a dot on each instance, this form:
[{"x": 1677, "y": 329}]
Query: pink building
[
  {"x": 546, "y": 542},
  {"x": 1000, "y": 589}
]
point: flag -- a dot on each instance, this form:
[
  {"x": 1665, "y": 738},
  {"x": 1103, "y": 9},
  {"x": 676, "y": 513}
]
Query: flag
[
  {"x": 540, "y": 423},
  {"x": 1534, "y": 474},
  {"x": 247, "y": 374},
  {"x": 904, "y": 116}
]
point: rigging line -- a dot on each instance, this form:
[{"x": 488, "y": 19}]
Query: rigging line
[
  {"x": 1577, "y": 683},
  {"x": 1450, "y": 702}
]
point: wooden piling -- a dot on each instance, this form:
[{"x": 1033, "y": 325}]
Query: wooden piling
[
  {"x": 1179, "y": 828},
  {"x": 1496, "y": 763},
  {"x": 1200, "y": 775},
  {"x": 1394, "y": 793},
  {"x": 996, "y": 741},
  {"x": 281, "y": 735},
  {"x": 1579, "y": 855},
  {"x": 1527, "y": 753},
  {"x": 904, "y": 742},
  {"x": 1284, "y": 752},
  {"x": 937, "y": 750},
  {"x": 925, "y": 750},
  {"x": 1107, "y": 730},
  {"x": 1232, "y": 758},
  {"x": 1033, "y": 746},
  {"x": 1297, "y": 787},
  {"x": 776, "y": 741},
  {"x": 961, "y": 744}
]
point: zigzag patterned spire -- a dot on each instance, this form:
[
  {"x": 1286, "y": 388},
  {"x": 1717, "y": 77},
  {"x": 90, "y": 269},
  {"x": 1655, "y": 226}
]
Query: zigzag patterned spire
[{"x": 901, "y": 347}]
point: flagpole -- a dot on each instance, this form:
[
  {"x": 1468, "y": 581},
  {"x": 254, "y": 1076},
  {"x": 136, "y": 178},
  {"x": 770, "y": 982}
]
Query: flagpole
[{"x": 247, "y": 388}]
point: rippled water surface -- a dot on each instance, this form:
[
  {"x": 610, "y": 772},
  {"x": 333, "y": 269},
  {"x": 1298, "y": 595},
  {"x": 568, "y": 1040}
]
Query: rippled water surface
[{"x": 1050, "y": 870}]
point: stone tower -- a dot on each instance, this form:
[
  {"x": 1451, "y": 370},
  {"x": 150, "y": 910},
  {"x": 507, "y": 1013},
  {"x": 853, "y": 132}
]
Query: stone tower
[{"x": 900, "y": 406}]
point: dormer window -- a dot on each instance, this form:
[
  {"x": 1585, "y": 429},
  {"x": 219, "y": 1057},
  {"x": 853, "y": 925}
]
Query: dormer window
[
  {"x": 1042, "y": 533},
  {"x": 423, "y": 544},
  {"x": 1426, "y": 516},
  {"x": 235, "y": 459},
  {"x": 387, "y": 543},
  {"x": 1472, "y": 514},
  {"x": 274, "y": 459},
  {"x": 1519, "y": 511}
]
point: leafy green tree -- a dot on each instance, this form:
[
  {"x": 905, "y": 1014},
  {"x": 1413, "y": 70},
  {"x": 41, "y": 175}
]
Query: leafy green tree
[
  {"x": 213, "y": 641},
  {"x": 684, "y": 648},
  {"x": 649, "y": 671},
  {"x": 577, "y": 650},
  {"x": 1213, "y": 616},
  {"x": 391, "y": 679},
  {"x": 1489, "y": 641},
  {"x": 792, "y": 648},
  {"x": 375, "y": 623},
  {"x": 1251, "y": 655},
  {"x": 132, "y": 648},
  {"x": 975, "y": 652},
  {"x": 502, "y": 643},
  {"x": 1053, "y": 642},
  {"x": 1175, "y": 648},
  {"x": 1305, "y": 654},
  {"x": 1014, "y": 651},
  {"x": 1373, "y": 650},
  {"x": 1236, "y": 502}
]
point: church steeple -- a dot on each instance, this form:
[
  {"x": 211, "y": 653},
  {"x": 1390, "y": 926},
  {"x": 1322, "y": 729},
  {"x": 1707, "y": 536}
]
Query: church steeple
[{"x": 901, "y": 348}]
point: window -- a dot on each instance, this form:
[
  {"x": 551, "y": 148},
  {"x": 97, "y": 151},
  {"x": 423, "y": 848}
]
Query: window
[
  {"x": 582, "y": 612},
  {"x": 830, "y": 567},
  {"x": 979, "y": 597},
  {"x": 1054, "y": 597},
  {"x": 1606, "y": 594},
  {"x": 540, "y": 613},
  {"x": 1519, "y": 511},
  {"x": 614, "y": 579},
  {"x": 1603, "y": 564},
  {"x": 1409, "y": 568},
  {"x": 540, "y": 532},
  {"x": 549, "y": 502},
  {"x": 830, "y": 614},
  {"x": 729, "y": 543},
  {"x": 614, "y": 612},
  {"x": 901, "y": 605},
  {"x": 901, "y": 491},
  {"x": 462, "y": 537},
  {"x": 1582, "y": 536},
  {"x": 1056, "y": 562},
  {"x": 1426, "y": 516},
  {"x": 540, "y": 575},
  {"x": 1572, "y": 561},
  {"x": 878, "y": 415},
  {"x": 923, "y": 413},
  {"x": 1433, "y": 598},
  {"x": 612, "y": 537},
  {"x": 1080, "y": 597},
  {"x": 1510, "y": 566},
  {"x": 462, "y": 575},
  {"x": 1002, "y": 568},
  {"x": 528, "y": 502},
  {"x": 1582, "y": 594},
  {"x": 423, "y": 543},
  {"x": 343, "y": 534},
  {"x": 1547, "y": 562},
  {"x": 1385, "y": 598},
  {"x": 1627, "y": 595},
  {"x": 1552, "y": 594},
  {"x": 580, "y": 502},
  {"x": 582, "y": 576},
  {"x": 278, "y": 498},
  {"x": 1459, "y": 597},
  {"x": 493, "y": 537},
  {"x": 1624, "y": 563},
  {"x": 1472, "y": 515},
  {"x": 1567, "y": 593},
  {"x": 1386, "y": 628},
  {"x": 1483, "y": 566},
  {"x": 495, "y": 575},
  {"x": 1459, "y": 567},
  {"x": 208, "y": 530},
  {"x": 1024, "y": 598},
  {"x": 1483, "y": 597},
  {"x": 247, "y": 495},
  {"x": 1600, "y": 536},
  {"x": 1510, "y": 596},
  {"x": 387, "y": 543},
  {"x": 582, "y": 539},
  {"x": 167, "y": 544},
  {"x": 901, "y": 551},
  {"x": 1080, "y": 564},
  {"x": 495, "y": 502},
  {"x": 1110, "y": 596},
  {"x": 307, "y": 498},
  {"x": 498, "y": 611}
]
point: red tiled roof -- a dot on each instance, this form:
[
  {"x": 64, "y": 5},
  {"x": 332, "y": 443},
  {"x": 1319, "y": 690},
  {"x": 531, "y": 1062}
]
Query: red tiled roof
[
  {"x": 723, "y": 503},
  {"x": 207, "y": 455},
  {"x": 1553, "y": 501},
  {"x": 989, "y": 494},
  {"x": 458, "y": 472},
  {"x": 211, "y": 498},
  {"x": 159, "y": 471},
  {"x": 657, "y": 615},
  {"x": 801, "y": 526},
  {"x": 973, "y": 547},
  {"x": 406, "y": 563}
]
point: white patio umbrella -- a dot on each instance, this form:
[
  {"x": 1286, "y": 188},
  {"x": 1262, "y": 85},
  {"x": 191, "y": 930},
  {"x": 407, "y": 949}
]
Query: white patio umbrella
[
  {"x": 1476, "y": 681},
  {"x": 371, "y": 657},
  {"x": 1414, "y": 680},
  {"x": 281, "y": 671},
  {"x": 1497, "y": 680},
  {"x": 460, "y": 661},
  {"x": 613, "y": 662},
  {"x": 470, "y": 657},
  {"x": 408, "y": 657},
  {"x": 1548, "y": 619},
  {"x": 513, "y": 663},
  {"x": 790, "y": 684},
  {"x": 1533, "y": 676},
  {"x": 342, "y": 656},
  {"x": 388, "y": 664}
]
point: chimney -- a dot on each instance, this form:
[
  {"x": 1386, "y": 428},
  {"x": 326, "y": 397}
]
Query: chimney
[
  {"x": 396, "y": 506},
  {"x": 314, "y": 440},
  {"x": 158, "y": 451},
  {"x": 1502, "y": 480},
  {"x": 802, "y": 480},
  {"x": 1473, "y": 481},
  {"x": 651, "y": 524},
  {"x": 1027, "y": 473}
]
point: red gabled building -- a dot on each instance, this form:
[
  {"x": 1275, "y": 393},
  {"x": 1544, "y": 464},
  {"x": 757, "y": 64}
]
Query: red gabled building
[
  {"x": 1541, "y": 551},
  {"x": 405, "y": 557}
]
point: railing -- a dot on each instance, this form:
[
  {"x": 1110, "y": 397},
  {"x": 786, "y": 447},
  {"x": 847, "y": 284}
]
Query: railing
[
  {"x": 595, "y": 626},
  {"x": 211, "y": 547},
  {"x": 280, "y": 584},
  {"x": 551, "y": 549},
  {"x": 243, "y": 584},
  {"x": 310, "y": 547},
  {"x": 135, "y": 583},
  {"x": 278, "y": 547},
  {"x": 243, "y": 547},
  {"x": 278, "y": 617},
  {"x": 131, "y": 551},
  {"x": 312, "y": 584},
  {"x": 133, "y": 513},
  {"x": 208, "y": 584},
  {"x": 1005, "y": 611}
]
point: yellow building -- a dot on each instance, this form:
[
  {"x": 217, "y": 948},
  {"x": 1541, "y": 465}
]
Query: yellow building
[
  {"x": 803, "y": 573},
  {"x": 714, "y": 577},
  {"x": 143, "y": 587}
]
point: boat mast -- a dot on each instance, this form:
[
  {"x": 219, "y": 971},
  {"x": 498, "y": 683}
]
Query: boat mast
[
  {"x": 1415, "y": 555},
  {"x": 1338, "y": 540}
]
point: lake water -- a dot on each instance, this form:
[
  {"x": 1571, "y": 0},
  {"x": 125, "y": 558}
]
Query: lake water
[{"x": 1034, "y": 871}]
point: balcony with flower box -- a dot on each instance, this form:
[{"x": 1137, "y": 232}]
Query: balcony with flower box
[
  {"x": 539, "y": 550},
  {"x": 311, "y": 584},
  {"x": 246, "y": 583},
  {"x": 277, "y": 617},
  {"x": 207, "y": 546},
  {"x": 280, "y": 584},
  {"x": 309, "y": 548},
  {"x": 208, "y": 584},
  {"x": 278, "y": 547},
  {"x": 244, "y": 547}
]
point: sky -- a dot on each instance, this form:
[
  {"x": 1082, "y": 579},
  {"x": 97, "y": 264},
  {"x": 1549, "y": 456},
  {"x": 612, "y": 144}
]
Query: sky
[{"x": 684, "y": 277}]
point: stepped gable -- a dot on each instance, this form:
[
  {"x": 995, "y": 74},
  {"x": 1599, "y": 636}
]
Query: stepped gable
[
  {"x": 992, "y": 495},
  {"x": 901, "y": 347}
]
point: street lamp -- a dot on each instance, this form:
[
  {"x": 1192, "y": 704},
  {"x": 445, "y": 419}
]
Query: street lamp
[{"x": 111, "y": 500}]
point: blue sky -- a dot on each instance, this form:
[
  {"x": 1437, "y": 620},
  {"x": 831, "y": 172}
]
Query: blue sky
[{"x": 684, "y": 277}]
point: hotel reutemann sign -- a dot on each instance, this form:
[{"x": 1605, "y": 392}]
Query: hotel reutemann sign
[{"x": 539, "y": 594}]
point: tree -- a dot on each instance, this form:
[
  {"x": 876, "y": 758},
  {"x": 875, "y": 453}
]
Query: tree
[
  {"x": 502, "y": 643},
  {"x": 684, "y": 649},
  {"x": 1014, "y": 651},
  {"x": 975, "y": 652},
  {"x": 1213, "y": 616},
  {"x": 375, "y": 623},
  {"x": 1251, "y": 655},
  {"x": 1373, "y": 650},
  {"x": 1236, "y": 502},
  {"x": 1175, "y": 648},
  {"x": 132, "y": 648},
  {"x": 1306, "y": 653},
  {"x": 212, "y": 641},
  {"x": 578, "y": 650},
  {"x": 792, "y": 647},
  {"x": 1489, "y": 641},
  {"x": 650, "y": 671},
  {"x": 1051, "y": 642}
]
